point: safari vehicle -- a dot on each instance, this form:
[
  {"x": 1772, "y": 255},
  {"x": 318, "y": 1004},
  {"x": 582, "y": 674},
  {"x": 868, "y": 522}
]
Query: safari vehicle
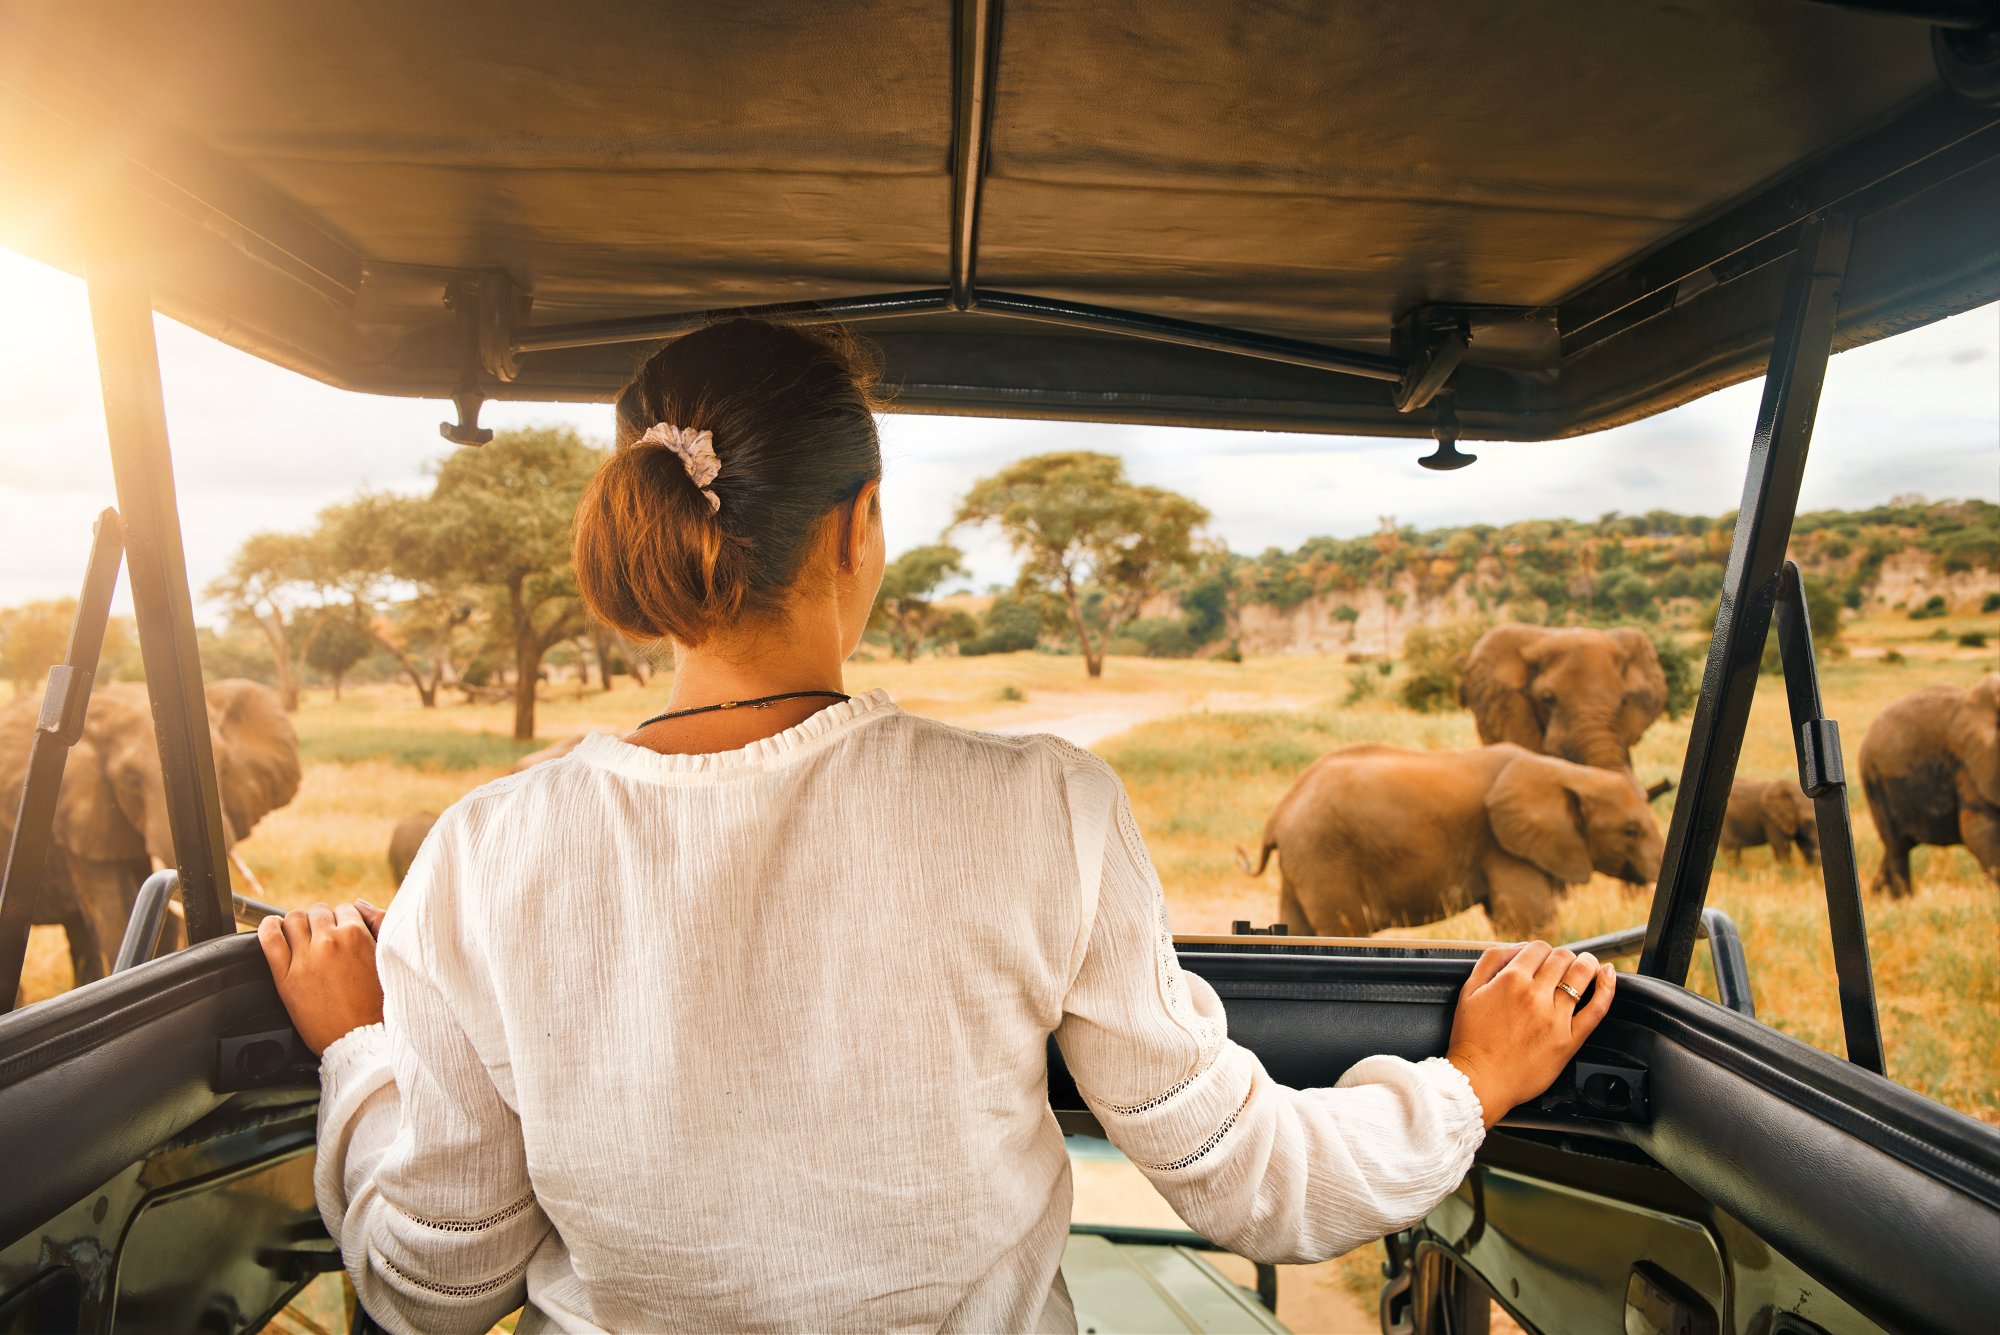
[{"x": 1516, "y": 222}]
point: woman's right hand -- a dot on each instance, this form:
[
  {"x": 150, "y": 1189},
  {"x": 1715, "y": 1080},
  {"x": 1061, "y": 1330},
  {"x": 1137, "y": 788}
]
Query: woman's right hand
[{"x": 1516, "y": 1028}]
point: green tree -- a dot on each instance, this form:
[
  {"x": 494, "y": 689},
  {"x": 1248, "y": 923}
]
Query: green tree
[
  {"x": 1009, "y": 626},
  {"x": 283, "y": 584},
  {"x": 395, "y": 563},
  {"x": 904, "y": 606},
  {"x": 342, "y": 643},
  {"x": 1080, "y": 525},
  {"x": 504, "y": 516}
]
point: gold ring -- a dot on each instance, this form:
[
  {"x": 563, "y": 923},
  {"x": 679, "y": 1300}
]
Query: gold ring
[{"x": 1574, "y": 995}]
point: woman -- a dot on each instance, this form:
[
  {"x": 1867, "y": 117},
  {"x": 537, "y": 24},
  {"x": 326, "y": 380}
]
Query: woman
[{"x": 739, "y": 1022}]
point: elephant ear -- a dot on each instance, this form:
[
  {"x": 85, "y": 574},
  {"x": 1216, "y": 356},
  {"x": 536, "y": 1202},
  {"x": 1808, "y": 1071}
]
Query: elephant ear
[
  {"x": 257, "y": 752},
  {"x": 1495, "y": 687},
  {"x": 1974, "y": 737},
  {"x": 89, "y": 824},
  {"x": 1537, "y": 815},
  {"x": 1781, "y": 806},
  {"x": 1644, "y": 683}
]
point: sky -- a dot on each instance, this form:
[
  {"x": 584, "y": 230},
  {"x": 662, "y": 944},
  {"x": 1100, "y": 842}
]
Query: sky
[{"x": 256, "y": 447}]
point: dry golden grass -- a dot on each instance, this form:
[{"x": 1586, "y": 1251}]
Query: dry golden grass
[{"x": 1214, "y": 746}]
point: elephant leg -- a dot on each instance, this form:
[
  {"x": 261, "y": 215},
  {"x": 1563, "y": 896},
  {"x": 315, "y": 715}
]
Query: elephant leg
[
  {"x": 1894, "y": 876},
  {"x": 1781, "y": 848},
  {"x": 104, "y": 896},
  {"x": 1520, "y": 900},
  {"x": 1980, "y": 828},
  {"x": 86, "y": 958},
  {"x": 1291, "y": 913}
]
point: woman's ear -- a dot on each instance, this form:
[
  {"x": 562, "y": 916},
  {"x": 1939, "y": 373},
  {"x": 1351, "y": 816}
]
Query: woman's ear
[{"x": 861, "y": 527}]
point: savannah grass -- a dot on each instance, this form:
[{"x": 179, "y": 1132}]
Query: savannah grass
[{"x": 1215, "y": 745}]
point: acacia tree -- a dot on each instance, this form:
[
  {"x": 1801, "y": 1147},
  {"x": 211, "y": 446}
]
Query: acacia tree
[
  {"x": 283, "y": 584},
  {"x": 905, "y": 604},
  {"x": 1081, "y": 526},
  {"x": 503, "y": 518},
  {"x": 395, "y": 565}
]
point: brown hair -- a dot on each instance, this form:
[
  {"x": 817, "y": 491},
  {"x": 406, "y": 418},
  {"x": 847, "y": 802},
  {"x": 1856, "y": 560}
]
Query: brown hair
[{"x": 791, "y": 413}]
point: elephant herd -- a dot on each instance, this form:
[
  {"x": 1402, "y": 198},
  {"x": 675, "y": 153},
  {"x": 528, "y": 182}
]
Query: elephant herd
[
  {"x": 1368, "y": 837},
  {"x": 1373, "y": 836},
  {"x": 111, "y": 826}
]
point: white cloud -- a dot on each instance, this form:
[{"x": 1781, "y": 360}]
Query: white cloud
[{"x": 257, "y": 447}]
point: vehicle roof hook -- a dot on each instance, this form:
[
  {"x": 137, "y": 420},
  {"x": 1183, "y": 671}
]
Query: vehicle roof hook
[
  {"x": 1447, "y": 457},
  {"x": 490, "y": 310}
]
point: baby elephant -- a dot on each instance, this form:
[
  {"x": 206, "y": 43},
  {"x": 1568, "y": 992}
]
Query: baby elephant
[
  {"x": 1770, "y": 811},
  {"x": 407, "y": 839},
  {"x": 1377, "y": 836}
]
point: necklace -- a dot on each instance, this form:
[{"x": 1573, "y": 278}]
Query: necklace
[{"x": 761, "y": 702}]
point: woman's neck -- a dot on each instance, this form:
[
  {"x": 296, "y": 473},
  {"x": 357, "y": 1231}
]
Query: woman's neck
[{"x": 747, "y": 664}]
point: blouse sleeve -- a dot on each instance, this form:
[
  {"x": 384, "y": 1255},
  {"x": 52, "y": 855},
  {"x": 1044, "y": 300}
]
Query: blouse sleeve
[
  {"x": 1275, "y": 1174},
  {"x": 422, "y": 1175}
]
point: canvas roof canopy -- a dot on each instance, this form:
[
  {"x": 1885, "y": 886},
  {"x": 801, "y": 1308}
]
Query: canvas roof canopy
[{"x": 1304, "y": 216}]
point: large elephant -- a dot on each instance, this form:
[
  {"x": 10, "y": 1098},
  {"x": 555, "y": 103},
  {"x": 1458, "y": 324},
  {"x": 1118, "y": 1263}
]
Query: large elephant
[
  {"x": 1930, "y": 766},
  {"x": 1581, "y": 695},
  {"x": 1770, "y": 811},
  {"x": 1375, "y": 836},
  {"x": 111, "y": 819}
]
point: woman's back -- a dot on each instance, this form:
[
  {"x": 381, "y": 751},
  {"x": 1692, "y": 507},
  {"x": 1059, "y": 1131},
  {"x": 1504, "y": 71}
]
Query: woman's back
[{"x": 802, "y": 992}]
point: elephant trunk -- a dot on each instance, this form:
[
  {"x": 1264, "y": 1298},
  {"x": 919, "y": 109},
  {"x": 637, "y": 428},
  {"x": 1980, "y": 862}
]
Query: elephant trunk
[{"x": 1590, "y": 737}]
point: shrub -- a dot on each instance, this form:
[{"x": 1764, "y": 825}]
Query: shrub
[
  {"x": 1973, "y": 639},
  {"x": 1361, "y": 685},
  {"x": 1010, "y": 693},
  {"x": 1231, "y": 652},
  {"x": 1429, "y": 692},
  {"x": 1894, "y": 656},
  {"x": 1933, "y": 607},
  {"x": 1162, "y": 637},
  {"x": 1990, "y": 603},
  {"x": 1941, "y": 635},
  {"x": 1346, "y": 613},
  {"x": 1681, "y": 667},
  {"x": 1436, "y": 656},
  {"x": 1010, "y": 624}
]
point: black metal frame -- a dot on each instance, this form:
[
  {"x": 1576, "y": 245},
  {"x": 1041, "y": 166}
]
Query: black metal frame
[
  {"x": 1801, "y": 343},
  {"x": 65, "y": 702},
  {"x": 1725, "y": 954},
  {"x": 149, "y": 915},
  {"x": 1816, "y": 742},
  {"x": 135, "y": 415}
]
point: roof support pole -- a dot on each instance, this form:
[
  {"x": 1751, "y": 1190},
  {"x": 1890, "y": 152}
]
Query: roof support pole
[
  {"x": 135, "y": 418},
  {"x": 1800, "y": 346},
  {"x": 976, "y": 43}
]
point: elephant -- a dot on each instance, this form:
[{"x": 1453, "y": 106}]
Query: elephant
[
  {"x": 1581, "y": 695},
  {"x": 1375, "y": 836},
  {"x": 111, "y": 825},
  {"x": 408, "y": 838},
  {"x": 1930, "y": 766},
  {"x": 1770, "y": 811}
]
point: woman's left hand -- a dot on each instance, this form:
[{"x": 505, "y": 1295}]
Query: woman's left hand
[{"x": 323, "y": 961}]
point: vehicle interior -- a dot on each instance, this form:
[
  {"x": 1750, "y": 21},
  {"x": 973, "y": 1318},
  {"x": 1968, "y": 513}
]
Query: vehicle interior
[{"x": 1512, "y": 222}]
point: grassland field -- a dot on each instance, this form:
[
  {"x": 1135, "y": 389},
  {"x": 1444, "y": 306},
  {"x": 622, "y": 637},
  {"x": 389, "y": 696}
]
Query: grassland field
[{"x": 1205, "y": 748}]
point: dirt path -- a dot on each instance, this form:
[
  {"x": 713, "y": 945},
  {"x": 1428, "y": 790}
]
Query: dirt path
[{"x": 1088, "y": 721}]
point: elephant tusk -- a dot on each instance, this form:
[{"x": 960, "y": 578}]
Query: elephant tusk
[
  {"x": 159, "y": 865},
  {"x": 249, "y": 877}
]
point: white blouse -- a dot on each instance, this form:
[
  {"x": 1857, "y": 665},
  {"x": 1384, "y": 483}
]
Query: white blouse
[{"x": 756, "y": 1041}]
